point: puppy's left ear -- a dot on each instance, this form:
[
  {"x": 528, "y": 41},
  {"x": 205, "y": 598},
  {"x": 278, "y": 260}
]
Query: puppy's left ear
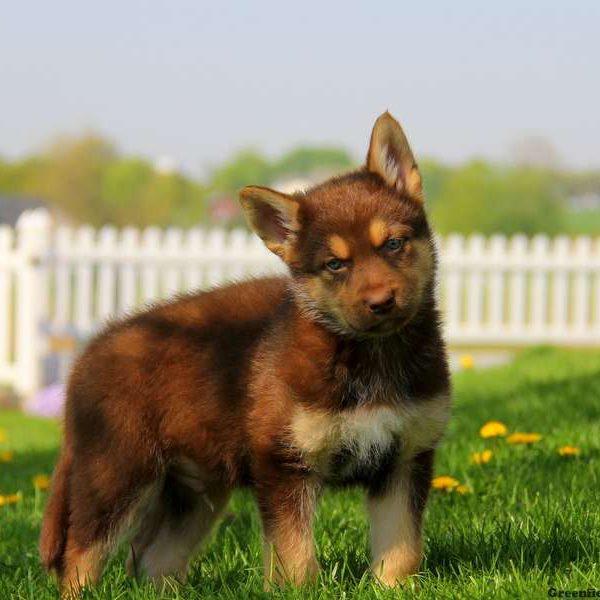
[
  {"x": 392, "y": 159},
  {"x": 274, "y": 217}
]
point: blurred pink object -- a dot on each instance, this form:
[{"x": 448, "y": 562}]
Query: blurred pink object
[{"x": 47, "y": 402}]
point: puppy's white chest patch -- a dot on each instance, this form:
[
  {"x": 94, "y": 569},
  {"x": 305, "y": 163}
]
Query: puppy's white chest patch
[{"x": 368, "y": 433}]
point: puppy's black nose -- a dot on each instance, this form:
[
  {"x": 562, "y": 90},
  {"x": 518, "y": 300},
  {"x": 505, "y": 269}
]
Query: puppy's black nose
[{"x": 381, "y": 306}]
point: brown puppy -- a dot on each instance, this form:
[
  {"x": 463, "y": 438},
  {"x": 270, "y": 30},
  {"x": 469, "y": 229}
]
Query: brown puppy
[{"x": 334, "y": 376}]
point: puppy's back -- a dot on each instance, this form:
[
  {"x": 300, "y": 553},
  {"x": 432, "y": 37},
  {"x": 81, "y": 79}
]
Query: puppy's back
[{"x": 181, "y": 362}]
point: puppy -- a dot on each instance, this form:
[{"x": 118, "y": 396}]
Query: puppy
[{"x": 334, "y": 375}]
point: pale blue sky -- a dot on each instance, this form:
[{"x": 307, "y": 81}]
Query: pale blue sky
[{"x": 197, "y": 80}]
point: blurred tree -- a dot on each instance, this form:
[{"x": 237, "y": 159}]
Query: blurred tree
[
  {"x": 485, "y": 199},
  {"x": 20, "y": 178},
  {"x": 135, "y": 193},
  {"x": 123, "y": 186},
  {"x": 87, "y": 180},
  {"x": 250, "y": 167},
  {"x": 246, "y": 167},
  {"x": 172, "y": 199},
  {"x": 308, "y": 160},
  {"x": 434, "y": 176},
  {"x": 72, "y": 175}
]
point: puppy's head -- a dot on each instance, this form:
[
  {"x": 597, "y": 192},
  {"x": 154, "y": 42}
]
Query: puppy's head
[{"x": 358, "y": 246}]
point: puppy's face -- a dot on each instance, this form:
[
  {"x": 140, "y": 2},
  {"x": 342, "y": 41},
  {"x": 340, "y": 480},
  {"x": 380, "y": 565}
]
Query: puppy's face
[{"x": 359, "y": 247}]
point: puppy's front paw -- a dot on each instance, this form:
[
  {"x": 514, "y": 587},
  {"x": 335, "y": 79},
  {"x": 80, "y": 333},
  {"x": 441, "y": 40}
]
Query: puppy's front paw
[
  {"x": 278, "y": 574},
  {"x": 396, "y": 567}
]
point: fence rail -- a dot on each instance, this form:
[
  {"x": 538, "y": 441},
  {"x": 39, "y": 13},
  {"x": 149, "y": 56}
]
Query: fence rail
[{"x": 63, "y": 283}]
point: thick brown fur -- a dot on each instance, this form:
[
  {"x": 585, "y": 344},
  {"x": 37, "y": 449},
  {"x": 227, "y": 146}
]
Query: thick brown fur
[{"x": 335, "y": 375}]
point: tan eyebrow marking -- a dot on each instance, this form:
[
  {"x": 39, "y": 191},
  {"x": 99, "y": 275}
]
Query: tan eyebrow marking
[
  {"x": 378, "y": 232},
  {"x": 399, "y": 230},
  {"x": 339, "y": 247}
]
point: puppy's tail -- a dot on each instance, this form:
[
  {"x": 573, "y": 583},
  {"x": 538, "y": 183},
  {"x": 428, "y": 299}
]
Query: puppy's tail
[{"x": 56, "y": 515}]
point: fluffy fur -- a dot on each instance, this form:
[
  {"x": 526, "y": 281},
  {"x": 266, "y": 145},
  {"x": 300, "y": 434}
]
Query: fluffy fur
[{"x": 335, "y": 375}]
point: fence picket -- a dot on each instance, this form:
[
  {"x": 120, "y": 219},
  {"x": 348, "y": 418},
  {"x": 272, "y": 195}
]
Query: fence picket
[
  {"x": 215, "y": 252},
  {"x": 84, "y": 240},
  {"x": 62, "y": 278},
  {"x": 517, "y": 297},
  {"x": 560, "y": 288},
  {"x": 539, "y": 296},
  {"x": 127, "y": 284},
  {"x": 476, "y": 253},
  {"x": 238, "y": 245},
  {"x": 497, "y": 253},
  {"x": 6, "y": 305},
  {"x": 452, "y": 252},
  {"x": 150, "y": 251},
  {"x": 193, "y": 249},
  {"x": 172, "y": 251},
  {"x": 582, "y": 284},
  {"x": 107, "y": 276},
  {"x": 31, "y": 299}
]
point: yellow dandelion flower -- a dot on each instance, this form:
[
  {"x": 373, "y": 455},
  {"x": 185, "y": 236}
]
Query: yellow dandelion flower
[
  {"x": 41, "y": 482},
  {"x": 493, "y": 429},
  {"x": 463, "y": 489},
  {"x": 569, "y": 451},
  {"x": 2, "y": 436},
  {"x": 523, "y": 438},
  {"x": 6, "y": 456},
  {"x": 444, "y": 482},
  {"x": 10, "y": 499},
  {"x": 466, "y": 362},
  {"x": 481, "y": 458}
]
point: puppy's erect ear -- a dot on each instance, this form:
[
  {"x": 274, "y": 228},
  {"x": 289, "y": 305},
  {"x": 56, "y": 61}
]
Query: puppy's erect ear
[
  {"x": 273, "y": 216},
  {"x": 390, "y": 157}
]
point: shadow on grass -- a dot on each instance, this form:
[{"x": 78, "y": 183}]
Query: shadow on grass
[{"x": 550, "y": 548}]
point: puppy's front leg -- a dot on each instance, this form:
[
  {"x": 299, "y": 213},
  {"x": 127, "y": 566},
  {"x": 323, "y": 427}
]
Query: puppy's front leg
[
  {"x": 287, "y": 509},
  {"x": 396, "y": 514}
]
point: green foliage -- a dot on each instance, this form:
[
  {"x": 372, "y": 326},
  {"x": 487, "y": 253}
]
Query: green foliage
[
  {"x": 435, "y": 175},
  {"x": 123, "y": 186},
  {"x": 531, "y": 522},
  {"x": 87, "y": 180},
  {"x": 20, "y": 177},
  {"x": 129, "y": 184},
  {"x": 481, "y": 198},
  {"x": 72, "y": 176},
  {"x": 305, "y": 161},
  {"x": 247, "y": 167}
]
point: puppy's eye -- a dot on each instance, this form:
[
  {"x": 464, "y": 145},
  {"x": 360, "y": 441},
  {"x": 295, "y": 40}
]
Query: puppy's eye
[
  {"x": 335, "y": 264},
  {"x": 394, "y": 244}
]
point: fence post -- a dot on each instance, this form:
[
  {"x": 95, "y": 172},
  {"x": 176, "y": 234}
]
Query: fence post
[{"x": 33, "y": 228}]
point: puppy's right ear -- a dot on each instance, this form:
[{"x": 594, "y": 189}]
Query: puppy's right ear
[{"x": 273, "y": 216}]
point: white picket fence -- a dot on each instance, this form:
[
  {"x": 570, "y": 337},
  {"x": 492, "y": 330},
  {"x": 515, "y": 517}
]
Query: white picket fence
[{"x": 60, "y": 284}]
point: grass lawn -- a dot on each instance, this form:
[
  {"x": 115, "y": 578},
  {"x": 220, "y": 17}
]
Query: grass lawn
[{"x": 531, "y": 522}]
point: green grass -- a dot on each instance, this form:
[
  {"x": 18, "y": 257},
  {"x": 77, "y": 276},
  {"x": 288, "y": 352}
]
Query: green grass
[{"x": 532, "y": 521}]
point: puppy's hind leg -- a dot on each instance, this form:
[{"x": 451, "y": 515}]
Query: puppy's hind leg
[
  {"x": 174, "y": 529},
  {"x": 100, "y": 512}
]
